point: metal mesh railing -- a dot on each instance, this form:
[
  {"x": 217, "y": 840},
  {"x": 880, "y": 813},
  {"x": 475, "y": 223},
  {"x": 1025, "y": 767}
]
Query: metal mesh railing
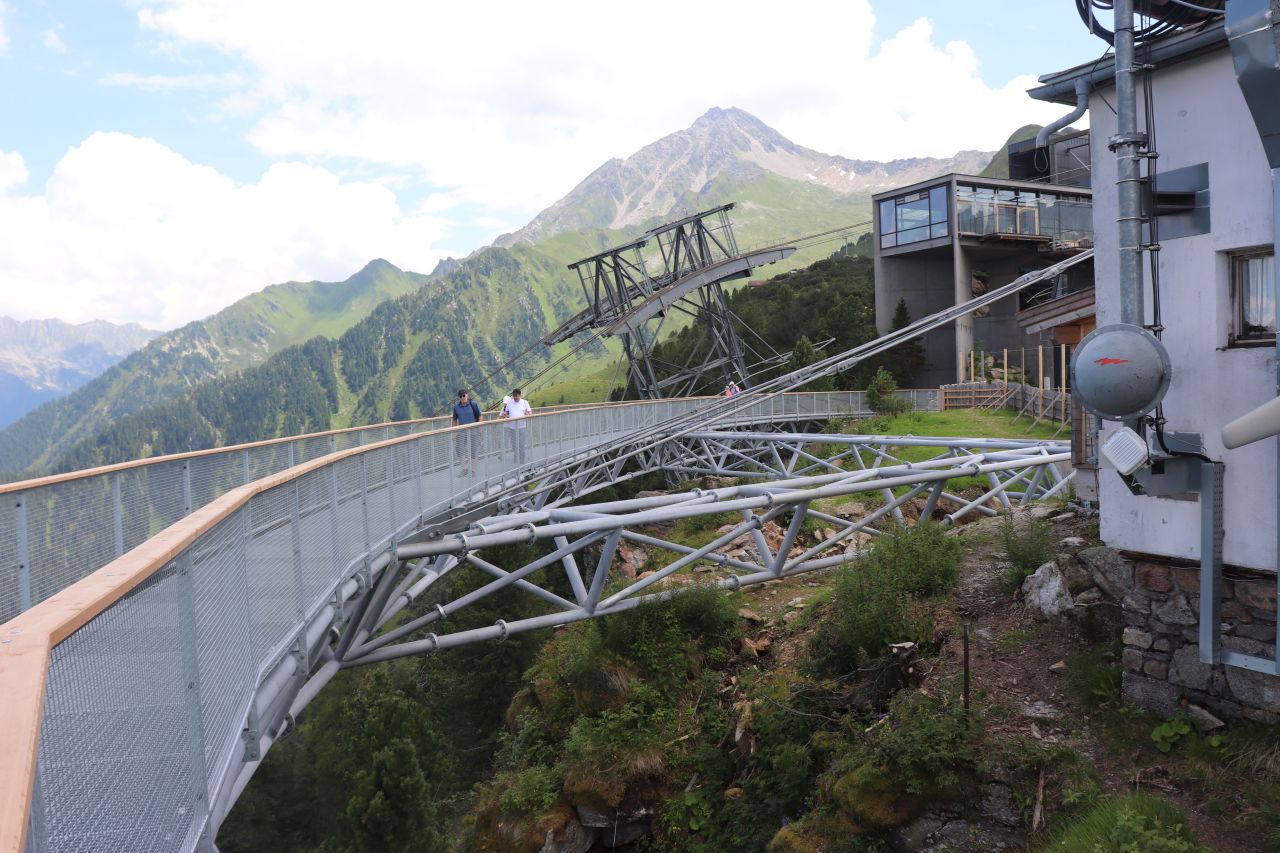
[
  {"x": 144, "y": 703},
  {"x": 57, "y": 530}
]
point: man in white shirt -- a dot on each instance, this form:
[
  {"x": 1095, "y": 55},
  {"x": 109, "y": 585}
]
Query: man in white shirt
[{"x": 515, "y": 410}]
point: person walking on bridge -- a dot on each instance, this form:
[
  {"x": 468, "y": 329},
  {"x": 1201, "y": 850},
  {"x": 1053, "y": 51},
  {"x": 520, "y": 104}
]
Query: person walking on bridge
[
  {"x": 514, "y": 411},
  {"x": 466, "y": 442}
]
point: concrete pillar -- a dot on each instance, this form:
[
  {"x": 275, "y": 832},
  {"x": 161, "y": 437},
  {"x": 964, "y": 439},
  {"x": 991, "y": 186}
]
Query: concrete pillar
[{"x": 963, "y": 272}]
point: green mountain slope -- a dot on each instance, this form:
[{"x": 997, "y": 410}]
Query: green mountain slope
[
  {"x": 999, "y": 165},
  {"x": 405, "y": 359},
  {"x": 244, "y": 334}
]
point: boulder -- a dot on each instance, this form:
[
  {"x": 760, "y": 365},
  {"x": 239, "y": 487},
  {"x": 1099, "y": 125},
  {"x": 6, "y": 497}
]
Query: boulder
[
  {"x": 623, "y": 833},
  {"x": 1045, "y": 592},
  {"x": 1202, "y": 719},
  {"x": 999, "y": 805},
  {"x": 1177, "y": 610},
  {"x": 1111, "y": 572},
  {"x": 873, "y": 798},
  {"x": 1159, "y": 697},
  {"x": 1077, "y": 577},
  {"x": 1090, "y": 596}
]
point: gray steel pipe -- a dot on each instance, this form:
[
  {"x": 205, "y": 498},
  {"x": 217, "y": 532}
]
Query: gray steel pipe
[
  {"x": 1082, "y": 105},
  {"x": 1127, "y": 145}
]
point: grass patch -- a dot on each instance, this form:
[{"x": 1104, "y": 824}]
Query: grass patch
[{"x": 1135, "y": 822}]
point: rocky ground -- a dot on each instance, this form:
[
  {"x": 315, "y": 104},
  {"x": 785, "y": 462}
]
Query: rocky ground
[{"x": 1019, "y": 645}]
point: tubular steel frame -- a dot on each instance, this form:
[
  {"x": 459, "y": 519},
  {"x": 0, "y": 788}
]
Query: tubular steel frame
[{"x": 695, "y": 255}]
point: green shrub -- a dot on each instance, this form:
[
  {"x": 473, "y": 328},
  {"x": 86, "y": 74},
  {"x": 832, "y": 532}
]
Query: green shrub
[
  {"x": 881, "y": 398},
  {"x": 928, "y": 741},
  {"x": 1136, "y": 823},
  {"x": 531, "y": 791},
  {"x": 1026, "y": 549},
  {"x": 657, "y": 637},
  {"x": 883, "y": 598}
]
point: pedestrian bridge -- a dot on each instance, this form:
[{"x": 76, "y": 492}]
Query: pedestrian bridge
[
  {"x": 167, "y": 619},
  {"x": 141, "y": 696}
]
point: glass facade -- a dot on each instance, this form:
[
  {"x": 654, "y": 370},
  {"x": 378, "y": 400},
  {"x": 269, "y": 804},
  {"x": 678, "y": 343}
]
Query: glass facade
[
  {"x": 913, "y": 217},
  {"x": 981, "y": 211}
]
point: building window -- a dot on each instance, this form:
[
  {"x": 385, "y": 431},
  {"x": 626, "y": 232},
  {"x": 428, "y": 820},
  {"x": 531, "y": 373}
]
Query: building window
[
  {"x": 1253, "y": 297},
  {"x": 913, "y": 217}
]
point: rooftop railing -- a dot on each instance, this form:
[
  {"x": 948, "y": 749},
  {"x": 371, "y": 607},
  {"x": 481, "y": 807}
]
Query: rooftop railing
[{"x": 1062, "y": 221}]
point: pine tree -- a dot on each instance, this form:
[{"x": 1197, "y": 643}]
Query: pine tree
[
  {"x": 803, "y": 355},
  {"x": 906, "y": 360}
]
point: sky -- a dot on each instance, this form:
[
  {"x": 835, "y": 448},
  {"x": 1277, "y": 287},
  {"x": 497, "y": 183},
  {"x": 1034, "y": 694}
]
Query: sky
[{"x": 160, "y": 159}]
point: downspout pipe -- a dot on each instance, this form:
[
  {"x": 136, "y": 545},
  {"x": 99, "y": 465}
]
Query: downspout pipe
[
  {"x": 1127, "y": 144},
  {"x": 1082, "y": 105}
]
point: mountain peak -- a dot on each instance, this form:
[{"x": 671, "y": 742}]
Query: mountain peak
[
  {"x": 725, "y": 147},
  {"x": 376, "y": 266}
]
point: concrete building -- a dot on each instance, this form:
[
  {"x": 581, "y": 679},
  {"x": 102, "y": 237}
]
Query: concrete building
[
  {"x": 944, "y": 241},
  {"x": 1214, "y": 219}
]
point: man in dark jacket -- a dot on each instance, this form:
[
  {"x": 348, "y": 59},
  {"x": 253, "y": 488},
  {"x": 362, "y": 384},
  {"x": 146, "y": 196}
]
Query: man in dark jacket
[{"x": 466, "y": 442}]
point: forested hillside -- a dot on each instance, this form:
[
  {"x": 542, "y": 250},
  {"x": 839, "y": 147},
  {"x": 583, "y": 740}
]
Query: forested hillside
[
  {"x": 830, "y": 303},
  {"x": 244, "y": 334},
  {"x": 406, "y": 359}
]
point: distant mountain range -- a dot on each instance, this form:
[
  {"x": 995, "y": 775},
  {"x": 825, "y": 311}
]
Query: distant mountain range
[
  {"x": 44, "y": 359},
  {"x": 401, "y": 342}
]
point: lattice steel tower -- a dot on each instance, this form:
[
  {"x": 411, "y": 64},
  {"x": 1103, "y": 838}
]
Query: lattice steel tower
[{"x": 694, "y": 256}]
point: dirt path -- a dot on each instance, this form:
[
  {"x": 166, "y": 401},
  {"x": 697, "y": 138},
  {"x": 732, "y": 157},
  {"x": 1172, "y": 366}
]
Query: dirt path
[{"x": 1011, "y": 655}]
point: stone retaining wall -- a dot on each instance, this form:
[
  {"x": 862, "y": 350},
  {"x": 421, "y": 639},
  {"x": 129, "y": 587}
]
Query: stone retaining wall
[{"x": 1161, "y": 657}]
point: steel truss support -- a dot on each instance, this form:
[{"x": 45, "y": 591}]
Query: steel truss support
[{"x": 782, "y": 479}]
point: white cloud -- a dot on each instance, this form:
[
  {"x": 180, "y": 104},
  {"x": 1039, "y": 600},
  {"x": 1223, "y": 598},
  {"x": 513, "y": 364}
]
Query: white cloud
[
  {"x": 127, "y": 229},
  {"x": 510, "y": 106},
  {"x": 54, "y": 42},
  {"x": 13, "y": 170}
]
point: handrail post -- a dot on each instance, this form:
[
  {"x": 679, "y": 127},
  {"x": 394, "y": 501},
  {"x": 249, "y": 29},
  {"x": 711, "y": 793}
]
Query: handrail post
[
  {"x": 191, "y": 700},
  {"x": 186, "y": 487},
  {"x": 24, "y": 554},
  {"x": 117, "y": 514}
]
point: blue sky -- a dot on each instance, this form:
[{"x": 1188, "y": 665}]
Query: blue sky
[{"x": 161, "y": 158}]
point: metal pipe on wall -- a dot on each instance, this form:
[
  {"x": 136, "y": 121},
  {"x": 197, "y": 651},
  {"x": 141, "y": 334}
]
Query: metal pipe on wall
[{"x": 1127, "y": 144}]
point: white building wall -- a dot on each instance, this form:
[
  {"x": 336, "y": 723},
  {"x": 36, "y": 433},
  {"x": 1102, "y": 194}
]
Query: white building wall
[{"x": 1200, "y": 117}]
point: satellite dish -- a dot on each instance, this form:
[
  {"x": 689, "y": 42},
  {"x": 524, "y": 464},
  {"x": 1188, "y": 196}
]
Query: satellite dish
[{"x": 1120, "y": 372}]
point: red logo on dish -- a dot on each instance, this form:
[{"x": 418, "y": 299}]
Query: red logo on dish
[{"x": 1105, "y": 361}]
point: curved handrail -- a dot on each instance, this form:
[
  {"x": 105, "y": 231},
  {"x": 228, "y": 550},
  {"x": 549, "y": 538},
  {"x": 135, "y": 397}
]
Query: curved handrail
[{"x": 55, "y": 530}]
